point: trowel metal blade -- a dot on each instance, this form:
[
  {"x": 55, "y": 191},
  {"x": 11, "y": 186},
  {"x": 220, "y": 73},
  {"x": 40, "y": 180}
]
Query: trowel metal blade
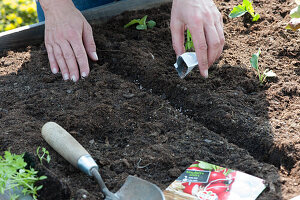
[{"x": 135, "y": 188}]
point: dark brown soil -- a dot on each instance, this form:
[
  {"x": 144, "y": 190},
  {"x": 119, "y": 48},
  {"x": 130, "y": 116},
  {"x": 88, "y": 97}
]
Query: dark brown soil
[{"x": 137, "y": 117}]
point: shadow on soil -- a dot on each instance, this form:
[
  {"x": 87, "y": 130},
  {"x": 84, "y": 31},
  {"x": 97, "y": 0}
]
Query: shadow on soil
[{"x": 231, "y": 102}]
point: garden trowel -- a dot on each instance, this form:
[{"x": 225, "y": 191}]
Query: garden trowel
[{"x": 133, "y": 189}]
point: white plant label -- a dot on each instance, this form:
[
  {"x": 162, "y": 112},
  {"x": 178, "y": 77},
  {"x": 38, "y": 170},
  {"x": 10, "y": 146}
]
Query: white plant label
[{"x": 186, "y": 63}]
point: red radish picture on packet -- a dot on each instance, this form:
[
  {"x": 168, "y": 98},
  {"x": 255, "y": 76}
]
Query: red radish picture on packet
[{"x": 204, "y": 181}]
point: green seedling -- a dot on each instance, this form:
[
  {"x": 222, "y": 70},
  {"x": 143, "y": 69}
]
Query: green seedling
[
  {"x": 142, "y": 23},
  {"x": 294, "y": 23},
  {"x": 189, "y": 45},
  {"x": 262, "y": 74},
  {"x": 240, "y": 10},
  {"x": 14, "y": 176},
  {"x": 44, "y": 156}
]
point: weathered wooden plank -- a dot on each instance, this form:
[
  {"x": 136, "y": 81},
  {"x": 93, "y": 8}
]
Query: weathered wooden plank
[
  {"x": 22, "y": 36},
  {"x": 34, "y": 34}
]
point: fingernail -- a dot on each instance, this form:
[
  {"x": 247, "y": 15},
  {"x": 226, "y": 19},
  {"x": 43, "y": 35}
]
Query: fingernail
[
  {"x": 74, "y": 78},
  {"x": 94, "y": 56},
  {"x": 54, "y": 70},
  {"x": 206, "y": 73},
  {"x": 66, "y": 77},
  {"x": 83, "y": 75}
]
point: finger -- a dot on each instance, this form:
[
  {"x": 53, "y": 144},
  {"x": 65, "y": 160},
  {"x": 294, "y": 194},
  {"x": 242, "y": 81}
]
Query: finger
[
  {"x": 200, "y": 44},
  {"x": 213, "y": 43},
  {"x": 177, "y": 30},
  {"x": 219, "y": 28},
  {"x": 88, "y": 41},
  {"x": 53, "y": 64},
  {"x": 61, "y": 62},
  {"x": 70, "y": 59},
  {"x": 81, "y": 57}
]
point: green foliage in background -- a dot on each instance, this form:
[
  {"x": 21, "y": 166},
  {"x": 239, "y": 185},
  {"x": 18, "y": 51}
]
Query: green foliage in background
[
  {"x": 14, "y": 175},
  {"x": 16, "y": 13}
]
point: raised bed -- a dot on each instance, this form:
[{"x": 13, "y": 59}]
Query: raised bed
[{"x": 135, "y": 116}]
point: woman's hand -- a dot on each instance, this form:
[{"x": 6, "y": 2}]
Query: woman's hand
[
  {"x": 68, "y": 39},
  {"x": 205, "y": 23}
]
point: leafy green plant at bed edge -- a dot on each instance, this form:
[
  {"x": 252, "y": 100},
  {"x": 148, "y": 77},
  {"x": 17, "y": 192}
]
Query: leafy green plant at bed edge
[
  {"x": 189, "y": 45},
  {"x": 142, "y": 23},
  {"x": 294, "y": 23},
  {"x": 44, "y": 155},
  {"x": 240, "y": 10},
  {"x": 13, "y": 175},
  {"x": 262, "y": 74}
]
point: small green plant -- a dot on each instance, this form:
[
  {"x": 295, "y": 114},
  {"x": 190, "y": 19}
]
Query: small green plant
[
  {"x": 142, "y": 23},
  {"x": 14, "y": 176},
  {"x": 189, "y": 45},
  {"x": 44, "y": 156},
  {"x": 240, "y": 10},
  {"x": 294, "y": 23},
  {"x": 262, "y": 74}
]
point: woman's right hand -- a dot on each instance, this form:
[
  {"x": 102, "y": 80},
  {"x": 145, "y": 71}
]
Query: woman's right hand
[
  {"x": 68, "y": 39},
  {"x": 205, "y": 23}
]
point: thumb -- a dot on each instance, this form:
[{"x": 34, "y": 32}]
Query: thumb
[
  {"x": 177, "y": 30},
  {"x": 88, "y": 41}
]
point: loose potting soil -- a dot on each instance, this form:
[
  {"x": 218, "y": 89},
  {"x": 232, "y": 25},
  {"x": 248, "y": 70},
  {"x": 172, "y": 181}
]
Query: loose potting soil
[{"x": 137, "y": 117}]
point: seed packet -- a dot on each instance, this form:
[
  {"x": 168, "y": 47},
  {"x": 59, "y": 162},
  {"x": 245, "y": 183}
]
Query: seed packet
[{"x": 205, "y": 181}]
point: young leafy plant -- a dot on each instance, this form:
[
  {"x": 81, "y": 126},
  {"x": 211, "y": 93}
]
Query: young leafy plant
[
  {"x": 142, "y": 23},
  {"x": 44, "y": 156},
  {"x": 294, "y": 23},
  {"x": 14, "y": 176},
  {"x": 240, "y": 10},
  {"x": 189, "y": 45},
  {"x": 262, "y": 74}
]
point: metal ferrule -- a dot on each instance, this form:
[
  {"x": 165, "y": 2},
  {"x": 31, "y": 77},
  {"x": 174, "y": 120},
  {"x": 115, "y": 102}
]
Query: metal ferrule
[{"x": 86, "y": 164}]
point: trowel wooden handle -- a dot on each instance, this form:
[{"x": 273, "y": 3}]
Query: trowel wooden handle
[{"x": 63, "y": 143}]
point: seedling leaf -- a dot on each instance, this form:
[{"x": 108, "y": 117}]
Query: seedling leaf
[
  {"x": 189, "y": 45},
  {"x": 295, "y": 13},
  {"x": 141, "y": 27},
  {"x": 256, "y": 17},
  {"x": 294, "y": 24},
  {"x": 254, "y": 60},
  {"x": 143, "y": 20},
  {"x": 42, "y": 156},
  {"x": 248, "y": 5},
  {"x": 240, "y": 10},
  {"x": 39, "y": 187},
  {"x": 132, "y": 22},
  {"x": 142, "y": 24},
  {"x": 237, "y": 11},
  {"x": 151, "y": 24},
  {"x": 262, "y": 74}
]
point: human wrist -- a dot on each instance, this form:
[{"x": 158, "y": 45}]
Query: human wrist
[{"x": 48, "y": 5}]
